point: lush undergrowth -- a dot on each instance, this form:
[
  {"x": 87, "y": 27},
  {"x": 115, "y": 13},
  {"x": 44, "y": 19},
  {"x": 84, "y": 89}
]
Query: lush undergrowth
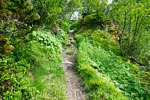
[
  {"x": 97, "y": 85},
  {"x": 15, "y": 83},
  {"x": 104, "y": 73},
  {"x": 35, "y": 72},
  {"x": 48, "y": 76}
]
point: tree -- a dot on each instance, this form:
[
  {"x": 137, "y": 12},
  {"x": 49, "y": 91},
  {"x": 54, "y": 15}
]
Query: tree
[
  {"x": 130, "y": 18},
  {"x": 52, "y": 10}
]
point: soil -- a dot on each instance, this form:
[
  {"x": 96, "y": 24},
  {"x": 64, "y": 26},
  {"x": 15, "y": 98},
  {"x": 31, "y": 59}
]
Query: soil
[{"x": 74, "y": 90}]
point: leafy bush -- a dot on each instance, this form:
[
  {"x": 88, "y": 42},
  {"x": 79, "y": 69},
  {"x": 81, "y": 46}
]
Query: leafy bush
[
  {"x": 63, "y": 38},
  {"x": 75, "y": 26},
  {"x": 43, "y": 53},
  {"x": 102, "y": 38},
  {"x": 106, "y": 41},
  {"x": 65, "y": 26},
  {"x": 92, "y": 19},
  {"x": 15, "y": 83},
  {"x": 15, "y": 23},
  {"x": 49, "y": 40},
  {"x": 31, "y": 62},
  {"x": 12, "y": 32}
]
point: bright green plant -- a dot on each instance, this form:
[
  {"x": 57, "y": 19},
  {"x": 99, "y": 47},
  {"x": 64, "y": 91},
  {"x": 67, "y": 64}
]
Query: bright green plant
[
  {"x": 15, "y": 83},
  {"x": 65, "y": 26},
  {"x": 43, "y": 53},
  {"x": 71, "y": 52},
  {"x": 105, "y": 62},
  {"x": 98, "y": 85}
]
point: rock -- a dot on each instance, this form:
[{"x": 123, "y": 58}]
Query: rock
[
  {"x": 72, "y": 42},
  {"x": 71, "y": 31},
  {"x": 71, "y": 39},
  {"x": 67, "y": 62}
]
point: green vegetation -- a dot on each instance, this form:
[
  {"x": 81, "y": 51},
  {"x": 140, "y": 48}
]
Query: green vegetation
[
  {"x": 30, "y": 56},
  {"x": 65, "y": 26},
  {"x": 97, "y": 84},
  {"x": 41, "y": 59},
  {"x": 15, "y": 84},
  {"x": 52, "y": 11},
  {"x": 93, "y": 57},
  {"x": 71, "y": 52},
  {"x": 44, "y": 55},
  {"x": 130, "y": 22},
  {"x": 113, "y": 43}
]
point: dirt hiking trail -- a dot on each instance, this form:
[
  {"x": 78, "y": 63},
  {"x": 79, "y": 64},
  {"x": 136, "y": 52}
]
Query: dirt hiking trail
[{"x": 74, "y": 89}]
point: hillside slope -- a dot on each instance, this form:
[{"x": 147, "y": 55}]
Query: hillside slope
[{"x": 105, "y": 74}]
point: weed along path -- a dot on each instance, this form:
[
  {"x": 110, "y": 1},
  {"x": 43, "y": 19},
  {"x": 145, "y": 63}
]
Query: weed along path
[{"x": 74, "y": 89}]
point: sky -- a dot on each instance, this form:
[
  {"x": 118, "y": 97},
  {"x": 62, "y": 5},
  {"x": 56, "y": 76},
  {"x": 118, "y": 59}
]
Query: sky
[
  {"x": 75, "y": 15},
  {"x": 109, "y": 1}
]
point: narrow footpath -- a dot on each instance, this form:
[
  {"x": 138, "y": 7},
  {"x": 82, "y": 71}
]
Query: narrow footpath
[{"x": 74, "y": 89}]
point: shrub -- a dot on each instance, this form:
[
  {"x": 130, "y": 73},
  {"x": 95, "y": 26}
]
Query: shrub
[
  {"x": 43, "y": 53},
  {"x": 15, "y": 83},
  {"x": 92, "y": 19},
  {"x": 65, "y": 26}
]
